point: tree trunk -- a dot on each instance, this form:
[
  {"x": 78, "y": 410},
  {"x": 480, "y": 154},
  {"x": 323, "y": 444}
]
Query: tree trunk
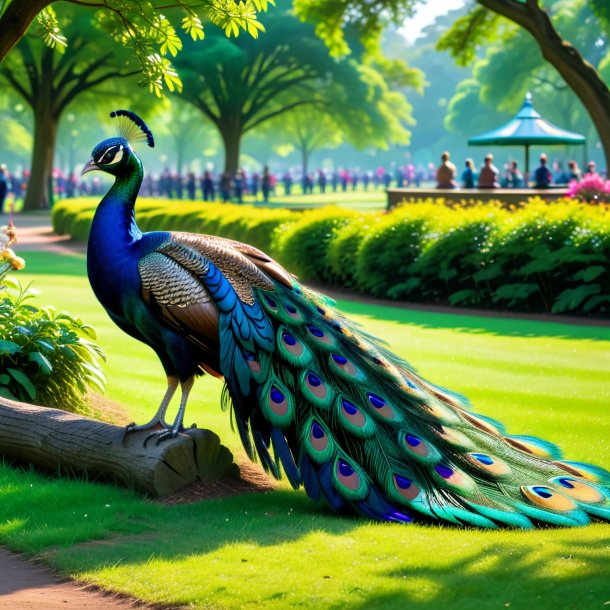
[
  {"x": 52, "y": 439},
  {"x": 39, "y": 193},
  {"x": 304, "y": 160},
  {"x": 231, "y": 139},
  {"x": 16, "y": 20},
  {"x": 578, "y": 73}
]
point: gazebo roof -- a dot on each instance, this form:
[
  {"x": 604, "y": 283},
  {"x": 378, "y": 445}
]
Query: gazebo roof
[{"x": 527, "y": 128}]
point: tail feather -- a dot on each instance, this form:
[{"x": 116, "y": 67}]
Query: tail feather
[{"x": 359, "y": 428}]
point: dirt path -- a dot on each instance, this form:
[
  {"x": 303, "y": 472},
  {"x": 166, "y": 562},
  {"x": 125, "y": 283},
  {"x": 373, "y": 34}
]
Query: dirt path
[{"x": 26, "y": 585}]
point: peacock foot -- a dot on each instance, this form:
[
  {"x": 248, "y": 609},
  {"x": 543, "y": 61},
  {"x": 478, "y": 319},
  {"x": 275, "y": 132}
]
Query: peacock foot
[
  {"x": 151, "y": 425},
  {"x": 166, "y": 433}
]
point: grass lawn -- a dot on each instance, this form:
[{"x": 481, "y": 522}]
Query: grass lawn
[{"x": 278, "y": 550}]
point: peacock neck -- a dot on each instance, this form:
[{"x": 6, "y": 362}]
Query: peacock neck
[{"x": 115, "y": 216}]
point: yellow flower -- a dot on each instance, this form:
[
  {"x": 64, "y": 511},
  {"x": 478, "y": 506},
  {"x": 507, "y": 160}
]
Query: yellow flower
[
  {"x": 7, "y": 254},
  {"x": 17, "y": 262}
]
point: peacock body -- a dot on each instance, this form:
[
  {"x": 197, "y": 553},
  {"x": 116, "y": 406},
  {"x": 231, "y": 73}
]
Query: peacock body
[{"x": 311, "y": 392}]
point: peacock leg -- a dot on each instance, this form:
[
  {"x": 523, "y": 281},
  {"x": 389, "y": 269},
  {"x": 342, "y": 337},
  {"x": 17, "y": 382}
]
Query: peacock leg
[
  {"x": 158, "y": 419},
  {"x": 177, "y": 426}
]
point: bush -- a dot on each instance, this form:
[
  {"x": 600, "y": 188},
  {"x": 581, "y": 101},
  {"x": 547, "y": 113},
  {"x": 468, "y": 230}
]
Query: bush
[
  {"x": 534, "y": 257},
  {"x": 384, "y": 265},
  {"x": 591, "y": 189},
  {"x": 343, "y": 250},
  {"x": 453, "y": 256},
  {"x": 44, "y": 355},
  {"x": 302, "y": 246}
]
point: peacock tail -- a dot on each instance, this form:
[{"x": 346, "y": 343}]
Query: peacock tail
[{"x": 355, "y": 425}]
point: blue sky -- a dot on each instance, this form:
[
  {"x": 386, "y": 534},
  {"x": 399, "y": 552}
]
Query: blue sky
[{"x": 426, "y": 14}]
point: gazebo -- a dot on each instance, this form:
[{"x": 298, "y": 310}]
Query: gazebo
[{"x": 527, "y": 129}]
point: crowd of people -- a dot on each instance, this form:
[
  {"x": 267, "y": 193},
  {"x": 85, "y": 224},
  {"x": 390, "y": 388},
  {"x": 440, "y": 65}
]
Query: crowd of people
[
  {"x": 489, "y": 176},
  {"x": 223, "y": 186}
]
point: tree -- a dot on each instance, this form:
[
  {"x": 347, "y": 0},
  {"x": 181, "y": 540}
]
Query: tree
[
  {"x": 138, "y": 25},
  {"x": 482, "y": 24},
  {"x": 306, "y": 130},
  {"x": 490, "y": 93},
  {"x": 240, "y": 84},
  {"x": 49, "y": 82}
]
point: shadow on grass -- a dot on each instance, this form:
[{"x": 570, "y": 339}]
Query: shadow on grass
[
  {"x": 82, "y": 528},
  {"x": 461, "y": 322}
]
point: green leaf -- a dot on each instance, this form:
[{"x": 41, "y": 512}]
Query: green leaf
[
  {"x": 571, "y": 299},
  {"x": 4, "y": 379},
  {"x": 22, "y": 379},
  {"x": 590, "y": 273},
  {"x": 8, "y": 347},
  {"x": 43, "y": 363},
  {"x": 6, "y": 393},
  {"x": 593, "y": 302},
  {"x": 464, "y": 296}
]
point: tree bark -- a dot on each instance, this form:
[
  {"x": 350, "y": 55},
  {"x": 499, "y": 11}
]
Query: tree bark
[
  {"x": 231, "y": 134},
  {"x": 578, "y": 73},
  {"x": 52, "y": 439},
  {"x": 15, "y": 22},
  {"x": 39, "y": 193}
]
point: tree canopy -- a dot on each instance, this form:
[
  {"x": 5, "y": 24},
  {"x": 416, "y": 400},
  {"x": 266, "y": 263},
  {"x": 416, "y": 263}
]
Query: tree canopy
[
  {"x": 240, "y": 84},
  {"x": 149, "y": 28}
]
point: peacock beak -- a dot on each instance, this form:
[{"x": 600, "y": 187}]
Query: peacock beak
[{"x": 89, "y": 167}]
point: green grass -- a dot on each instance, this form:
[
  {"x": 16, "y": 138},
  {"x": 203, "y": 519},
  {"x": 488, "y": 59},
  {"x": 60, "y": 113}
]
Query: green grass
[
  {"x": 278, "y": 550},
  {"x": 372, "y": 199}
]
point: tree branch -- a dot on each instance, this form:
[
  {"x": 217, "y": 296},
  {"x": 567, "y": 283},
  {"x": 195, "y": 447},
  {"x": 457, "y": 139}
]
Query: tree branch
[
  {"x": 277, "y": 112},
  {"x": 10, "y": 77}
]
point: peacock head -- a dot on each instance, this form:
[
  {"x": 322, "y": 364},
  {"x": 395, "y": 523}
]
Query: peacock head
[{"x": 115, "y": 155}]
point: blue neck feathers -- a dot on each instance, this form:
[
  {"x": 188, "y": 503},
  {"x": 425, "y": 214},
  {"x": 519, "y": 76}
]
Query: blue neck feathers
[{"x": 114, "y": 222}]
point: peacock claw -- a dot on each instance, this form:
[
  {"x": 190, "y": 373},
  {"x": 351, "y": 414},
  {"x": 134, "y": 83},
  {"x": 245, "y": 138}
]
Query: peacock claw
[
  {"x": 162, "y": 435},
  {"x": 133, "y": 427}
]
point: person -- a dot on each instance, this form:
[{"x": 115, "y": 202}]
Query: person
[
  {"x": 468, "y": 175},
  {"x": 322, "y": 181},
  {"x": 191, "y": 185},
  {"x": 287, "y": 180},
  {"x": 266, "y": 183},
  {"x": 542, "y": 175},
  {"x": 591, "y": 168},
  {"x": 445, "y": 173},
  {"x": 514, "y": 178},
  {"x": 3, "y": 186},
  {"x": 488, "y": 175},
  {"x": 225, "y": 186},
  {"x": 207, "y": 186},
  {"x": 256, "y": 184},
  {"x": 574, "y": 172},
  {"x": 238, "y": 185}
]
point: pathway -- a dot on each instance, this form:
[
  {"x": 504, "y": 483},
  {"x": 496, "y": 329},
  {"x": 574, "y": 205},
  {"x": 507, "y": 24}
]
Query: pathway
[{"x": 27, "y": 585}]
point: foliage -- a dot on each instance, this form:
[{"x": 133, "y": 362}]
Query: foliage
[
  {"x": 44, "y": 355},
  {"x": 334, "y": 17},
  {"x": 143, "y": 27},
  {"x": 387, "y": 252},
  {"x": 242, "y": 84},
  {"x": 538, "y": 257},
  {"x": 591, "y": 189},
  {"x": 303, "y": 245}
]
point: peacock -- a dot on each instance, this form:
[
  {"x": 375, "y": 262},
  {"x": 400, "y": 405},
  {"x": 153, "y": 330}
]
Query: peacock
[{"x": 313, "y": 394}]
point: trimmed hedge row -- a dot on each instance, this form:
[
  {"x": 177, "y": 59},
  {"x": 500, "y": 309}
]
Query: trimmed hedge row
[{"x": 540, "y": 257}]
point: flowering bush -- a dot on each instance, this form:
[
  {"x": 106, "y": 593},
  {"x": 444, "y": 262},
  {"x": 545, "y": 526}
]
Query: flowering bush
[
  {"x": 591, "y": 189},
  {"x": 44, "y": 355}
]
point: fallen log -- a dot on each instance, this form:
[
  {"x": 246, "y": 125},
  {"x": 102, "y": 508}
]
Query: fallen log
[{"x": 54, "y": 440}]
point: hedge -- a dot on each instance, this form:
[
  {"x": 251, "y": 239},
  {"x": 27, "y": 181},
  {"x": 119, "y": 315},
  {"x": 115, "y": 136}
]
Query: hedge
[{"x": 539, "y": 257}]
